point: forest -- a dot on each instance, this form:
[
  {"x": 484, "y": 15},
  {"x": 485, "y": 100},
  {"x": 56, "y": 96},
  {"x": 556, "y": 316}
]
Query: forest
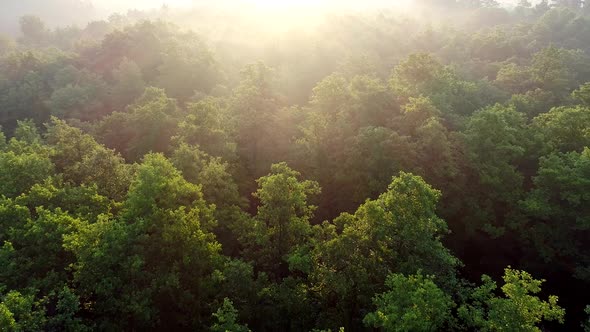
[{"x": 239, "y": 168}]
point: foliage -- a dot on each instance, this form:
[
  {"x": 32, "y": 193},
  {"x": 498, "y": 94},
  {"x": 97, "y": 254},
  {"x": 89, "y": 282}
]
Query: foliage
[
  {"x": 519, "y": 310},
  {"x": 412, "y": 303},
  {"x": 226, "y": 317},
  {"x": 281, "y": 225},
  {"x": 149, "y": 173},
  {"x": 397, "y": 233},
  {"x": 557, "y": 206}
]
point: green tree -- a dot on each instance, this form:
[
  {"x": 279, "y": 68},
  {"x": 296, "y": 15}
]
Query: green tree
[
  {"x": 397, "y": 233},
  {"x": 188, "y": 67},
  {"x": 371, "y": 158},
  {"x": 3, "y": 143},
  {"x": 33, "y": 30},
  {"x": 534, "y": 102},
  {"x": 226, "y": 319},
  {"x": 208, "y": 125},
  {"x": 129, "y": 84},
  {"x": 565, "y": 128},
  {"x": 151, "y": 266},
  {"x": 24, "y": 162},
  {"x": 346, "y": 141},
  {"x": 556, "y": 70},
  {"x": 582, "y": 94},
  {"x": 253, "y": 106},
  {"x": 218, "y": 187},
  {"x": 497, "y": 140},
  {"x": 147, "y": 126},
  {"x": 558, "y": 210},
  {"x": 422, "y": 75},
  {"x": 21, "y": 312},
  {"x": 83, "y": 202},
  {"x": 281, "y": 224},
  {"x": 35, "y": 249},
  {"x": 67, "y": 307},
  {"x": 520, "y": 310},
  {"x": 27, "y": 132},
  {"x": 413, "y": 303},
  {"x": 77, "y": 94},
  {"x": 514, "y": 78},
  {"x": 83, "y": 161}
]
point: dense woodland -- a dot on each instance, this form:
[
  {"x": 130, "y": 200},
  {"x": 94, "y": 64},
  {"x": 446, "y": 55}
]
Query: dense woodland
[{"x": 369, "y": 171}]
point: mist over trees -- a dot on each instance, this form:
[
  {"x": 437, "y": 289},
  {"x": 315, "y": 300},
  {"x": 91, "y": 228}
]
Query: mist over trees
[{"x": 244, "y": 167}]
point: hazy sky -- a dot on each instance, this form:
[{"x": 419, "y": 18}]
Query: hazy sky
[
  {"x": 11, "y": 10},
  {"x": 139, "y": 4},
  {"x": 146, "y": 4}
]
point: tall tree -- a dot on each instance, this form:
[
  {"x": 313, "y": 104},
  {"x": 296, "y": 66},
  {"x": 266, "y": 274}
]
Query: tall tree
[
  {"x": 559, "y": 218},
  {"x": 397, "y": 233},
  {"x": 33, "y": 30},
  {"x": 254, "y": 104},
  {"x": 152, "y": 266},
  {"x": 281, "y": 225}
]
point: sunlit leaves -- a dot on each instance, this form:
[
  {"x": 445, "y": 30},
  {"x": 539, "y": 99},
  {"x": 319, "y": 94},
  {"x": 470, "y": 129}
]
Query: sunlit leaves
[
  {"x": 412, "y": 303},
  {"x": 519, "y": 310},
  {"x": 227, "y": 319},
  {"x": 565, "y": 128},
  {"x": 397, "y": 233}
]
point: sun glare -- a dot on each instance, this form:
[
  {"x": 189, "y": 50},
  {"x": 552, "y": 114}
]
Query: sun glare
[
  {"x": 328, "y": 3},
  {"x": 285, "y": 3}
]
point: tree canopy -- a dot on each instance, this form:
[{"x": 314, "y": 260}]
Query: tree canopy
[{"x": 282, "y": 167}]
